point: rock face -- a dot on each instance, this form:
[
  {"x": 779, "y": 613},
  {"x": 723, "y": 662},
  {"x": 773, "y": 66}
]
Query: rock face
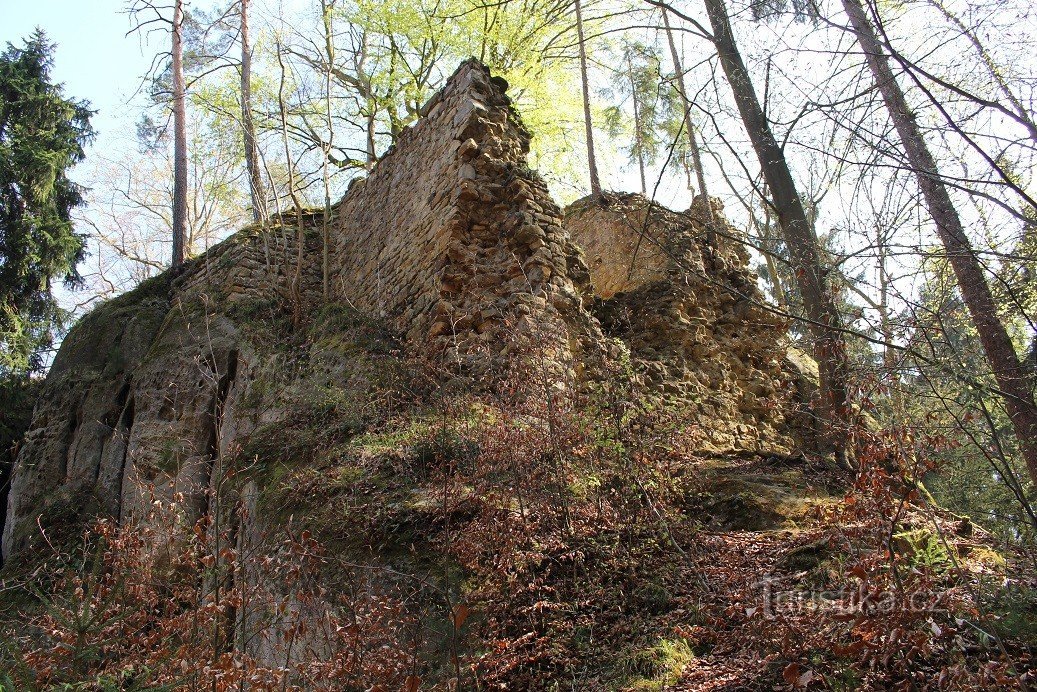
[
  {"x": 133, "y": 401},
  {"x": 451, "y": 242},
  {"x": 689, "y": 310}
]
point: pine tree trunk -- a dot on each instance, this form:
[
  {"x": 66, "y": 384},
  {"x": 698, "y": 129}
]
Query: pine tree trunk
[
  {"x": 804, "y": 249},
  {"x": 1011, "y": 376},
  {"x": 179, "y": 138},
  {"x": 255, "y": 182},
  {"x": 592, "y": 163}
]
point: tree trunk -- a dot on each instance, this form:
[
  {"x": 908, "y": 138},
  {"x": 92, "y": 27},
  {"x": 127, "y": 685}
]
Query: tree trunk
[
  {"x": 1012, "y": 378},
  {"x": 693, "y": 143},
  {"x": 300, "y": 231},
  {"x": 638, "y": 138},
  {"x": 592, "y": 163},
  {"x": 804, "y": 248},
  {"x": 179, "y": 138},
  {"x": 329, "y": 49},
  {"x": 367, "y": 92},
  {"x": 255, "y": 182},
  {"x": 889, "y": 355},
  {"x": 372, "y": 156},
  {"x": 777, "y": 290}
]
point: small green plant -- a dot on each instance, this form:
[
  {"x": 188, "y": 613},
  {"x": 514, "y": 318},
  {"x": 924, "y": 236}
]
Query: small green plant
[
  {"x": 446, "y": 449},
  {"x": 924, "y": 550},
  {"x": 659, "y": 665},
  {"x": 653, "y": 598},
  {"x": 1015, "y": 612}
]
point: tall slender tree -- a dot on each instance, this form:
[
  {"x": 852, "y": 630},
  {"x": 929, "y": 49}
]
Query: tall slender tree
[
  {"x": 592, "y": 163},
  {"x": 1013, "y": 378},
  {"x": 639, "y": 144},
  {"x": 652, "y": 104},
  {"x": 248, "y": 126},
  {"x": 805, "y": 252},
  {"x": 327, "y": 8},
  {"x": 682, "y": 90},
  {"x": 179, "y": 137}
]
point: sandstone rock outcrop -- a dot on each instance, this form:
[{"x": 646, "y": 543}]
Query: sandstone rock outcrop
[
  {"x": 452, "y": 242},
  {"x": 134, "y": 398},
  {"x": 686, "y": 304}
]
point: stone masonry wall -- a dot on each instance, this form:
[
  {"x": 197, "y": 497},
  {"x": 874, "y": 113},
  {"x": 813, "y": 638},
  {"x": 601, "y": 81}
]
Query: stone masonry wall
[
  {"x": 455, "y": 242},
  {"x": 454, "y": 239},
  {"x": 255, "y": 262}
]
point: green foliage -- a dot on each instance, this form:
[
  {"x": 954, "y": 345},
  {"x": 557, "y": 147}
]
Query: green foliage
[
  {"x": 42, "y": 135},
  {"x": 925, "y": 550},
  {"x": 444, "y": 449},
  {"x": 390, "y": 57},
  {"x": 658, "y": 666},
  {"x": 656, "y": 128},
  {"x": 17, "y": 397},
  {"x": 965, "y": 433},
  {"x": 1015, "y": 612},
  {"x": 653, "y": 598},
  {"x": 766, "y": 10}
]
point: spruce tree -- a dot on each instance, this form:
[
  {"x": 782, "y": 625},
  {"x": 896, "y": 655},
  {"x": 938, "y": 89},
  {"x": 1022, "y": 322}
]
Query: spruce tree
[{"x": 42, "y": 135}]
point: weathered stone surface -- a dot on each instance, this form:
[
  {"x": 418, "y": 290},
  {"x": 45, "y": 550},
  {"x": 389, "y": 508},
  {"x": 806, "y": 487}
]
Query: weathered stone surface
[
  {"x": 620, "y": 254},
  {"x": 693, "y": 318},
  {"x": 451, "y": 231},
  {"x": 128, "y": 412}
]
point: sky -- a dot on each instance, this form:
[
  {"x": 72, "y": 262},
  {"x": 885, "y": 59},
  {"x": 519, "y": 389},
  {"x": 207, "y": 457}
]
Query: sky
[{"x": 95, "y": 60}]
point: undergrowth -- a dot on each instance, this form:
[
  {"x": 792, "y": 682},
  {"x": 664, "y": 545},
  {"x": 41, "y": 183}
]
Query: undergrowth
[{"x": 533, "y": 535}]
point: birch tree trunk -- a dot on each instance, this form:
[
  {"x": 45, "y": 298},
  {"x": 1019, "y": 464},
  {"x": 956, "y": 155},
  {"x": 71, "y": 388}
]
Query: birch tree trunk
[{"x": 1010, "y": 374}]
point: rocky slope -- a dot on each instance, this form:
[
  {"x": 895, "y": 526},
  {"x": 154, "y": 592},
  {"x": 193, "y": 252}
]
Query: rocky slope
[
  {"x": 491, "y": 391},
  {"x": 456, "y": 245}
]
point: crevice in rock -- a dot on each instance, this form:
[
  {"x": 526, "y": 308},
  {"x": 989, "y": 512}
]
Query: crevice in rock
[
  {"x": 74, "y": 424},
  {"x": 113, "y": 421},
  {"x": 6, "y": 471},
  {"x": 5, "y": 488},
  {"x": 124, "y": 429},
  {"x": 214, "y": 481},
  {"x": 14, "y": 425},
  {"x": 223, "y": 386}
]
